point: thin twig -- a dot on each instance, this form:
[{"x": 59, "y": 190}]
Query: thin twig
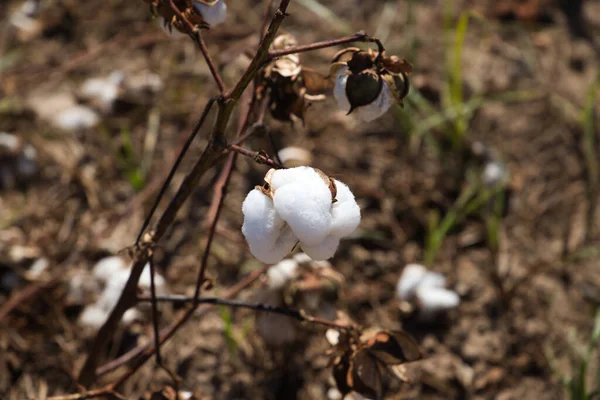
[
  {"x": 258, "y": 156},
  {"x": 300, "y": 315},
  {"x": 357, "y": 37}
]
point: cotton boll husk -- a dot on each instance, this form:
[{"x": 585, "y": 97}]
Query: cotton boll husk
[
  {"x": 266, "y": 233},
  {"x": 411, "y": 277},
  {"x": 377, "y": 108},
  {"x": 75, "y": 118},
  {"x": 305, "y": 207},
  {"x": 214, "y": 14},
  {"x": 324, "y": 250},
  {"x": 434, "y": 300},
  {"x": 280, "y": 273},
  {"x": 339, "y": 90},
  {"x": 345, "y": 212}
]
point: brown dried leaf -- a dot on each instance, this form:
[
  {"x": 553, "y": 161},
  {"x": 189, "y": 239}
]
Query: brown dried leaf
[{"x": 393, "y": 347}]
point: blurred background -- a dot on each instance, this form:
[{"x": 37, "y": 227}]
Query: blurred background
[{"x": 489, "y": 176}]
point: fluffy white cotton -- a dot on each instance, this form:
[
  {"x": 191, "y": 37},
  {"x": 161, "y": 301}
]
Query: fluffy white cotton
[
  {"x": 428, "y": 288},
  {"x": 76, "y": 118},
  {"x": 411, "y": 276},
  {"x": 301, "y": 211},
  {"x": 306, "y": 209},
  {"x": 332, "y": 336},
  {"x": 294, "y": 156},
  {"x": 345, "y": 212},
  {"x": 109, "y": 267},
  {"x": 324, "y": 250},
  {"x": 367, "y": 112},
  {"x": 93, "y": 316},
  {"x": 214, "y": 14},
  {"x": 281, "y": 273},
  {"x": 103, "y": 91},
  {"x": 269, "y": 238},
  {"x": 433, "y": 300}
]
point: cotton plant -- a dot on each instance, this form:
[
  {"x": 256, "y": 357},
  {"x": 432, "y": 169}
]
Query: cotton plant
[
  {"x": 298, "y": 206},
  {"x": 427, "y": 290},
  {"x": 368, "y": 83},
  {"x": 112, "y": 274}
]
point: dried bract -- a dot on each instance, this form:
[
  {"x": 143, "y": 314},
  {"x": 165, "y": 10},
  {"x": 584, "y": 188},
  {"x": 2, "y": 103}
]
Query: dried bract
[
  {"x": 292, "y": 86},
  {"x": 199, "y": 13},
  {"x": 362, "y": 362}
]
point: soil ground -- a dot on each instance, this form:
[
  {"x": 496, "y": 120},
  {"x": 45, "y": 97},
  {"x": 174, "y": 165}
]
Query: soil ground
[{"x": 527, "y": 305}]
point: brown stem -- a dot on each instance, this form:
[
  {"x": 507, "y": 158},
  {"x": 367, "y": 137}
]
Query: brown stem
[
  {"x": 196, "y": 35},
  {"x": 357, "y": 37},
  {"x": 258, "y": 156},
  {"x": 290, "y": 312}
]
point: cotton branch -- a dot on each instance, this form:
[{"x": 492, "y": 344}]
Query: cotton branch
[{"x": 289, "y": 312}]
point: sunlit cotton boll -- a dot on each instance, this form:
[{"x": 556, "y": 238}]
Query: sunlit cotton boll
[
  {"x": 433, "y": 300},
  {"x": 213, "y": 14},
  {"x": 282, "y": 272},
  {"x": 76, "y": 118},
  {"x": 367, "y": 112},
  {"x": 301, "y": 210}
]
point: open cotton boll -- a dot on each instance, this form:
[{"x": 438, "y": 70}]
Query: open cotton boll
[
  {"x": 324, "y": 250},
  {"x": 433, "y": 280},
  {"x": 266, "y": 233},
  {"x": 339, "y": 90},
  {"x": 411, "y": 277},
  {"x": 108, "y": 267},
  {"x": 93, "y": 316},
  {"x": 214, "y": 14},
  {"x": 345, "y": 212},
  {"x": 282, "y": 272},
  {"x": 75, "y": 118},
  {"x": 305, "y": 207},
  {"x": 434, "y": 300}
]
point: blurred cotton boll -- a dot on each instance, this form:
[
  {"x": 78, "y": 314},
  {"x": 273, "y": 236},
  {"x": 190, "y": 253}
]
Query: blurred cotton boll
[
  {"x": 76, "y": 118},
  {"x": 296, "y": 205},
  {"x": 213, "y": 14}
]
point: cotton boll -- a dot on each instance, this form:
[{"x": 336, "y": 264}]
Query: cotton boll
[
  {"x": 282, "y": 272},
  {"x": 294, "y": 156},
  {"x": 332, "y": 336},
  {"x": 130, "y": 316},
  {"x": 345, "y": 212},
  {"x": 76, "y": 118},
  {"x": 411, "y": 277},
  {"x": 214, "y": 14},
  {"x": 433, "y": 280},
  {"x": 144, "y": 282},
  {"x": 270, "y": 240},
  {"x": 102, "y": 91},
  {"x": 435, "y": 300},
  {"x": 302, "y": 258},
  {"x": 93, "y": 316},
  {"x": 278, "y": 178},
  {"x": 377, "y": 108},
  {"x": 306, "y": 210},
  {"x": 108, "y": 267},
  {"x": 323, "y": 251}
]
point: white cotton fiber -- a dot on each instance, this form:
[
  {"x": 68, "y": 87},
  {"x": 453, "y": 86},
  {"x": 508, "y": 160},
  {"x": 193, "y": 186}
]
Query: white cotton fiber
[
  {"x": 280, "y": 273},
  {"x": 75, "y": 118},
  {"x": 411, "y": 277},
  {"x": 144, "y": 282},
  {"x": 93, "y": 316},
  {"x": 109, "y": 267},
  {"x": 433, "y": 280},
  {"x": 345, "y": 212},
  {"x": 214, "y": 14},
  {"x": 266, "y": 233},
  {"x": 434, "y": 300},
  {"x": 295, "y": 176},
  {"x": 305, "y": 208},
  {"x": 339, "y": 91},
  {"x": 324, "y": 250}
]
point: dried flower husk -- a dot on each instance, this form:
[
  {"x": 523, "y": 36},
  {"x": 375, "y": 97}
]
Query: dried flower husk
[{"x": 187, "y": 9}]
